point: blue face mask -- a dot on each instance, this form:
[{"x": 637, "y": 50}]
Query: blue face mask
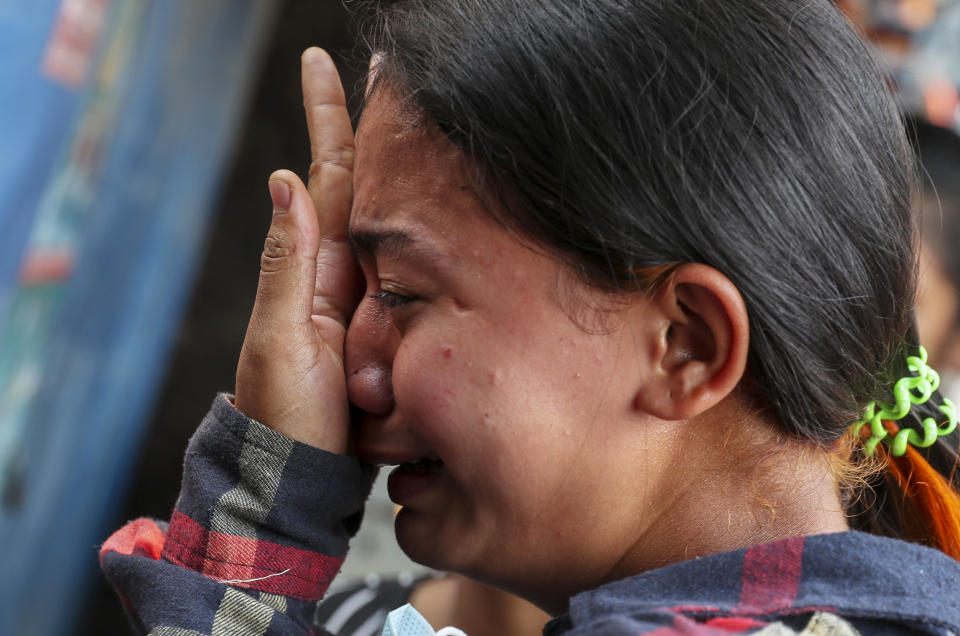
[{"x": 406, "y": 621}]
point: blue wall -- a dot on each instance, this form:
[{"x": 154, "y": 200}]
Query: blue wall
[{"x": 121, "y": 175}]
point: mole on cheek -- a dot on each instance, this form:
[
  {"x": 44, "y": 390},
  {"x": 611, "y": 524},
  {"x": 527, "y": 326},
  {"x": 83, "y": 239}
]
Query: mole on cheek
[{"x": 448, "y": 352}]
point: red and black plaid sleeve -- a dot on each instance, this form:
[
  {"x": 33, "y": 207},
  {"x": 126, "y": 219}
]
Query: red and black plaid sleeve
[{"x": 259, "y": 531}]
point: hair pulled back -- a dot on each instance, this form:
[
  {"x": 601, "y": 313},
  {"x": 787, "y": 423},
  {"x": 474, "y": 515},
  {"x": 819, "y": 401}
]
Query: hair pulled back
[{"x": 755, "y": 136}]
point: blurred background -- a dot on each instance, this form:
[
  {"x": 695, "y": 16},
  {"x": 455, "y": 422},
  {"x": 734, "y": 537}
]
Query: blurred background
[{"x": 137, "y": 138}]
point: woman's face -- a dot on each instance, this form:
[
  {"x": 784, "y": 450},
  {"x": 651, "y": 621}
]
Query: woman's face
[{"x": 463, "y": 351}]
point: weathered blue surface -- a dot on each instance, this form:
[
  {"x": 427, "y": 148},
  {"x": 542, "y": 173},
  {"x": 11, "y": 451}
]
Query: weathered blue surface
[
  {"x": 35, "y": 114},
  {"x": 160, "y": 109}
]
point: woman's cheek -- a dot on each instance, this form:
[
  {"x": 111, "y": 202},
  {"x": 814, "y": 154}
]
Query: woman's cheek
[
  {"x": 443, "y": 390},
  {"x": 427, "y": 378}
]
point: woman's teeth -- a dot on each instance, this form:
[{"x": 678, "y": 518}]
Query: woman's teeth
[{"x": 423, "y": 465}]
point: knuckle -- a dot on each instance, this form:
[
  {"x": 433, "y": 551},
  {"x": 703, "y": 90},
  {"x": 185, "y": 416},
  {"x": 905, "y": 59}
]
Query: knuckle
[
  {"x": 278, "y": 253},
  {"x": 339, "y": 157}
]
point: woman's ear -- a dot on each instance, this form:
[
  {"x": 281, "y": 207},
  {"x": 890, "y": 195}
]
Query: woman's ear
[{"x": 700, "y": 346}]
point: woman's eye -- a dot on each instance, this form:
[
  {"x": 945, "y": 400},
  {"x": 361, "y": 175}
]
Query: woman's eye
[{"x": 390, "y": 299}]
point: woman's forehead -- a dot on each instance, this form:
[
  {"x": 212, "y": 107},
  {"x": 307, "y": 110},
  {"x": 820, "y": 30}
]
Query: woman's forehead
[
  {"x": 390, "y": 132},
  {"x": 407, "y": 172}
]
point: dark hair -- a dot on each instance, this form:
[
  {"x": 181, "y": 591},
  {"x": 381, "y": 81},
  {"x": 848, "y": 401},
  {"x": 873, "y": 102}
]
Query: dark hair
[{"x": 755, "y": 136}]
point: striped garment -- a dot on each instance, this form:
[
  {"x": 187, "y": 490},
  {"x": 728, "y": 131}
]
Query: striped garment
[
  {"x": 262, "y": 525},
  {"x": 361, "y": 609}
]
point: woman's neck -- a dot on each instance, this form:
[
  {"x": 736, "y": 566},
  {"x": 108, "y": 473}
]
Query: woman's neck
[
  {"x": 477, "y": 609},
  {"x": 755, "y": 487}
]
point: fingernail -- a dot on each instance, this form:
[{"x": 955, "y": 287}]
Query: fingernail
[{"x": 280, "y": 193}]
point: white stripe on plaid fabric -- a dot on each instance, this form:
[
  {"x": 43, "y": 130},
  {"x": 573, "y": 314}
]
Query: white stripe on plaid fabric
[
  {"x": 275, "y": 601},
  {"x": 821, "y": 624},
  {"x": 241, "y": 614},
  {"x": 166, "y": 630},
  {"x": 262, "y": 459},
  {"x": 826, "y": 624}
]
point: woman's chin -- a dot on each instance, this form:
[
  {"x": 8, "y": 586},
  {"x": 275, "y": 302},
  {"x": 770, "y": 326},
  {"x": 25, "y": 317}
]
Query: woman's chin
[{"x": 423, "y": 539}]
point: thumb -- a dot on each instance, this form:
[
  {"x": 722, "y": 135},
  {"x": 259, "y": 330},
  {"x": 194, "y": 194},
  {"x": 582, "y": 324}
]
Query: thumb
[
  {"x": 288, "y": 265},
  {"x": 271, "y": 359}
]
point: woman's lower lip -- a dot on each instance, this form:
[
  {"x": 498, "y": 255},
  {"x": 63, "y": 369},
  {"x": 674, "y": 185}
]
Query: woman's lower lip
[{"x": 403, "y": 486}]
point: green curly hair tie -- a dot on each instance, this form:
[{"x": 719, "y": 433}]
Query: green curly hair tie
[{"x": 908, "y": 390}]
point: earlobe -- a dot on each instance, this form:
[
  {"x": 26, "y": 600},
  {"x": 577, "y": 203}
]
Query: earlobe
[{"x": 701, "y": 346}]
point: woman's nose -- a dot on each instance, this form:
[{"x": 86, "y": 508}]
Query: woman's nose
[{"x": 368, "y": 359}]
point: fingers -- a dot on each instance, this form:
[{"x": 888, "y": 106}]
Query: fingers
[
  {"x": 279, "y": 348},
  {"x": 330, "y": 184},
  {"x": 331, "y": 143},
  {"x": 290, "y": 374},
  {"x": 288, "y": 263}
]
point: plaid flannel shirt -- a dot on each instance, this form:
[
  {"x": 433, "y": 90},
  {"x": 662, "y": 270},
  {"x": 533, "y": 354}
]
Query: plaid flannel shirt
[
  {"x": 262, "y": 524},
  {"x": 839, "y": 584},
  {"x": 259, "y": 531}
]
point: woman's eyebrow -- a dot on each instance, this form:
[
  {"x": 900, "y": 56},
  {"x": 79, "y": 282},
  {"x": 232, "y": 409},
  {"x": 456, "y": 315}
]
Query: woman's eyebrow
[{"x": 395, "y": 244}]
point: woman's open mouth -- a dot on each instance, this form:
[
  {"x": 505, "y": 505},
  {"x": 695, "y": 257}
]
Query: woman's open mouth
[
  {"x": 411, "y": 479},
  {"x": 422, "y": 465}
]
